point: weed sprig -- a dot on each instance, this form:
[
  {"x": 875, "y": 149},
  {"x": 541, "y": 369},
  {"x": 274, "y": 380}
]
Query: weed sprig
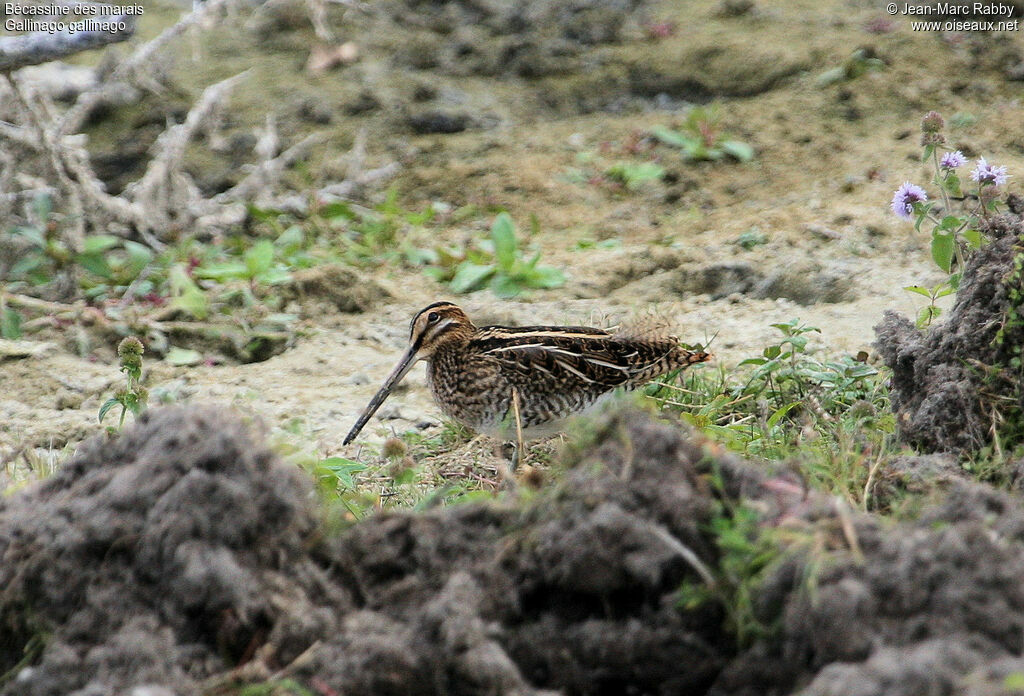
[
  {"x": 955, "y": 233},
  {"x": 133, "y": 397}
]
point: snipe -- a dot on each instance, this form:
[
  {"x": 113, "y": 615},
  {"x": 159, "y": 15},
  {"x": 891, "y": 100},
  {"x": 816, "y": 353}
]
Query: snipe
[{"x": 521, "y": 381}]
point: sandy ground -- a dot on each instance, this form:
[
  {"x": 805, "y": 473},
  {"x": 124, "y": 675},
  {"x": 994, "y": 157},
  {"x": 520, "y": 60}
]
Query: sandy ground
[{"x": 828, "y": 159}]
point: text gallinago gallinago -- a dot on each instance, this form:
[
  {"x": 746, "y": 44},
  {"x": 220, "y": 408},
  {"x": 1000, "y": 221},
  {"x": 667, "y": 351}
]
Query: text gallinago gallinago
[{"x": 523, "y": 380}]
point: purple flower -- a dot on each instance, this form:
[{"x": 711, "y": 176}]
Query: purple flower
[
  {"x": 952, "y": 160},
  {"x": 904, "y": 199},
  {"x": 985, "y": 173}
]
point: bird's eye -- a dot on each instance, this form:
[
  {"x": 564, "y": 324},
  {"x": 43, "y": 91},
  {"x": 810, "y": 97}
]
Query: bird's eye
[{"x": 433, "y": 317}]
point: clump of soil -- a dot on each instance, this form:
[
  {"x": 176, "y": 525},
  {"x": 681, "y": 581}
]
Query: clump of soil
[
  {"x": 334, "y": 288},
  {"x": 160, "y": 557},
  {"x": 183, "y": 550},
  {"x": 953, "y": 386},
  {"x": 904, "y": 614}
]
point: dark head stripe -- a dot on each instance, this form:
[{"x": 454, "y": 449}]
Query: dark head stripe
[{"x": 429, "y": 307}]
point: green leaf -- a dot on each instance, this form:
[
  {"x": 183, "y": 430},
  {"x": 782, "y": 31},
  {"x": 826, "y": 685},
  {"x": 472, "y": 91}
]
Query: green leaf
[
  {"x": 441, "y": 275},
  {"x": 534, "y": 225},
  {"x": 952, "y": 184},
  {"x": 186, "y": 294},
  {"x": 634, "y": 175},
  {"x": 973, "y": 238},
  {"x": 97, "y": 243},
  {"x": 183, "y": 356},
  {"x": 919, "y": 290},
  {"x": 949, "y": 222},
  {"x": 223, "y": 271},
  {"x": 780, "y": 413},
  {"x": 546, "y": 277},
  {"x": 927, "y": 315},
  {"x": 107, "y": 405},
  {"x": 33, "y": 234},
  {"x": 506, "y": 287},
  {"x": 275, "y": 276},
  {"x": 503, "y": 234},
  {"x": 798, "y": 342},
  {"x": 942, "y": 250},
  {"x": 43, "y": 205},
  {"x": 95, "y": 263},
  {"x": 291, "y": 239},
  {"x": 10, "y": 324},
  {"x": 470, "y": 277},
  {"x": 139, "y": 256},
  {"x": 740, "y": 150},
  {"x": 337, "y": 211},
  {"x": 259, "y": 258},
  {"x": 342, "y": 469},
  {"x": 262, "y": 214},
  {"x": 1014, "y": 682},
  {"x": 671, "y": 137},
  {"x": 28, "y": 264}
]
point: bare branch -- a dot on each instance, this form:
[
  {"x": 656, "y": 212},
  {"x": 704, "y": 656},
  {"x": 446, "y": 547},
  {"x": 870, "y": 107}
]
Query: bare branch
[
  {"x": 43, "y": 47},
  {"x": 350, "y": 187},
  {"x": 163, "y": 177},
  {"x": 142, "y": 56},
  {"x": 268, "y": 171}
]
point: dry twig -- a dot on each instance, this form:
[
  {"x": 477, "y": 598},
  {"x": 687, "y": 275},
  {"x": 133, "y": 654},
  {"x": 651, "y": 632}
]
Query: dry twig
[{"x": 42, "y": 46}]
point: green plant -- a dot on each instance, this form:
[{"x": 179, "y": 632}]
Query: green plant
[
  {"x": 931, "y": 312},
  {"x": 962, "y": 119},
  {"x": 955, "y": 234},
  {"x": 751, "y": 238},
  {"x": 274, "y": 687},
  {"x": 860, "y": 62},
  {"x": 772, "y": 408},
  {"x": 700, "y": 137},
  {"x": 133, "y": 396},
  {"x": 10, "y": 321},
  {"x": 502, "y": 266},
  {"x": 1013, "y": 321},
  {"x": 103, "y": 261},
  {"x": 635, "y": 174},
  {"x": 256, "y": 267},
  {"x": 746, "y": 552},
  {"x": 587, "y": 243},
  {"x": 378, "y": 235}
]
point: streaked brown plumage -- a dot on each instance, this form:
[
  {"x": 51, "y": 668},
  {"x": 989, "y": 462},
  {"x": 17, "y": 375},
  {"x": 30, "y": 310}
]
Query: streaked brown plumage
[{"x": 555, "y": 371}]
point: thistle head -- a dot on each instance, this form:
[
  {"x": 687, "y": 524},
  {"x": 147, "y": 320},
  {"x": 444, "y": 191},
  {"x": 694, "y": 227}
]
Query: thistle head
[{"x": 932, "y": 122}]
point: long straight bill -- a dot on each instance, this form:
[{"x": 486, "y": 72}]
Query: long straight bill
[{"x": 403, "y": 367}]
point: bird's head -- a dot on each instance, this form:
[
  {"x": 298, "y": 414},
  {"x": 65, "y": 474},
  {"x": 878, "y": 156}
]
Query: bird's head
[{"x": 434, "y": 327}]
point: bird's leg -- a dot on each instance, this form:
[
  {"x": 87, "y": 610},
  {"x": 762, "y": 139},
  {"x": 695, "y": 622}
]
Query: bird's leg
[{"x": 519, "y": 428}]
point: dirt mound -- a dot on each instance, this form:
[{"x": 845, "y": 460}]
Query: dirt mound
[
  {"x": 954, "y": 383},
  {"x": 576, "y": 592},
  {"x": 185, "y": 556},
  {"x": 929, "y": 607},
  {"x": 161, "y": 557}
]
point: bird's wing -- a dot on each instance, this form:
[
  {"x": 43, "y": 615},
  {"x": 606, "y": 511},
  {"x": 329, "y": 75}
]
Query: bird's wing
[{"x": 589, "y": 363}]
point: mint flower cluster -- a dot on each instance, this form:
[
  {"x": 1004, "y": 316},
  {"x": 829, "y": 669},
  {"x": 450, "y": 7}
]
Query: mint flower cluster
[
  {"x": 906, "y": 196},
  {"x": 954, "y": 233}
]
